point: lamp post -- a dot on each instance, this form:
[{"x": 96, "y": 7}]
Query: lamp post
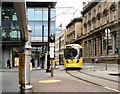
[
  {"x": 48, "y": 55},
  {"x": 52, "y": 53},
  {"x": 106, "y": 31},
  {"x": 42, "y": 66}
]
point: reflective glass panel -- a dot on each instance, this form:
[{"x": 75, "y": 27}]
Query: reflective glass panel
[
  {"x": 38, "y": 29},
  {"x": 45, "y": 14},
  {"x": 30, "y": 14},
  {"x": 38, "y": 14},
  {"x": 31, "y": 24}
]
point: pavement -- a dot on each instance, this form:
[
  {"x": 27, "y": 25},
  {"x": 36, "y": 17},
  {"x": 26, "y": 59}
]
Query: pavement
[{"x": 39, "y": 76}]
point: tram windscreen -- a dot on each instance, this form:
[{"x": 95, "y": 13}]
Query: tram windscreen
[{"x": 71, "y": 52}]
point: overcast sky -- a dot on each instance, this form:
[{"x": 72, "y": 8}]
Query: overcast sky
[{"x": 71, "y": 9}]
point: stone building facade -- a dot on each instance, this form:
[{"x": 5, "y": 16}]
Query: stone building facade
[
  {"x": 90, "y": 31},
  {"x": 74, "y": 30},
  {"x": 59, "y": 46},
  {"x": 99, "y": 17}
]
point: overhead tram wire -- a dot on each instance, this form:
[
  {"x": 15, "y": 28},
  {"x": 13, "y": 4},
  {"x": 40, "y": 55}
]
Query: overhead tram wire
[{"x": 63, "y": 11}]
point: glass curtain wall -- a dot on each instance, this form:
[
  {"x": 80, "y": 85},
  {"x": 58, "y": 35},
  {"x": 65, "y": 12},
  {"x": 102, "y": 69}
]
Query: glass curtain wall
[
  {"x": 38, "y": 17},
  {"x": 10, "y": 28},
  {"x": 38, "y": 22}
]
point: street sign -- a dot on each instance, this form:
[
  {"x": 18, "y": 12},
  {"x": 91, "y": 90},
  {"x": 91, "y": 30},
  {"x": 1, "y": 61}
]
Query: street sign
[
  {"x": 107, "y": 30},
  {"x": 107, "y": 34},
  {"x": 52, "y": 50}
]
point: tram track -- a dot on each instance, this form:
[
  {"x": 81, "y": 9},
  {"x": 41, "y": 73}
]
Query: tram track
[
  {"x": 81, "y": 78},
  {"x": 94, "y": 83},
  {"x": 98, "y": 77}
]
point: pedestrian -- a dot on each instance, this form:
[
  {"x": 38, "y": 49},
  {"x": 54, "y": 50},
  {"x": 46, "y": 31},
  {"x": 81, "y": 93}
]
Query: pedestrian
[
  {"x": 93, "y": 61},
  {"x": 8, "y": 64},
  {"x": 42, "y": 59},
  {"x": 33, "y": 62},
  {"x": 96, "y": 60}
]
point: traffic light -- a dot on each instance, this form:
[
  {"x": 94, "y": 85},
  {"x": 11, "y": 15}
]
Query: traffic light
[{"x": 52, "y": 38}]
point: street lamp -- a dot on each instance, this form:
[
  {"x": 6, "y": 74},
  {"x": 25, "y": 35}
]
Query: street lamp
[
  {"x": 49, "y": 19},
  {"x": 52, "y": 53},
  {"x": 48, "y": 55},
  {"x": 42, "y": 47}
]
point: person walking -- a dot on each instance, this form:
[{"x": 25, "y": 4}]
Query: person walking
[
  {"x": 42, "y": 59},
  {"x": 93, "y": 60},
  {"x": 8, "y": 64},
  {"x": 33, "y": 62},
  {"x": 96, "y": 60}
]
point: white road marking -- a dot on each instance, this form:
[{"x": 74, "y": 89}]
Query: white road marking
[{"x": 112, "y": 89}]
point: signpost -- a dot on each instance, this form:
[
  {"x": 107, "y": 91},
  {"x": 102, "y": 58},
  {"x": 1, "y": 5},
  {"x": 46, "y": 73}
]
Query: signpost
[
  {"x": 107, "y": 36},
  {"x": 52, "y": 52}
]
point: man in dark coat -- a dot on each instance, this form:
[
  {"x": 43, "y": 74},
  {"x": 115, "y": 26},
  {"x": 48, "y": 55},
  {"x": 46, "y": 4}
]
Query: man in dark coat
[
  {"x": 33, "y": 62},
  {"x": 8, "y": 64}
]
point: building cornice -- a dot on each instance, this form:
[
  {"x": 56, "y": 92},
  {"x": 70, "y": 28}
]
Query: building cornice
[
  {"x": 89, "y": 6},
  {"x": 41, "y": 4},
  {"x": 95, "y": 31},
  {"x": 74, "y": 21}
]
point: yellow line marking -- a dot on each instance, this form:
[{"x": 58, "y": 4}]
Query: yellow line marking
[{"x": 49, "y": 81}]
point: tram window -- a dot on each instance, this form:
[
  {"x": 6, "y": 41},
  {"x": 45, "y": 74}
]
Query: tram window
[{"x": 70, "y": 53}]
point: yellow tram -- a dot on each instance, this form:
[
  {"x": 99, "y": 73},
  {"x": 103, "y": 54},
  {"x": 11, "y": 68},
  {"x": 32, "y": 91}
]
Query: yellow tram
[{"x": 73, "y": 56}]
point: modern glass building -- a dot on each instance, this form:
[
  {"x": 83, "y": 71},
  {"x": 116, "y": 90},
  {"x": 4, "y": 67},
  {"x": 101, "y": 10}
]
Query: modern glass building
[
  {"x": 37, "y": 17},
  {"x": 13, "y": 26},
  {"x": 11, "y": 33},
  {"x": 10, "y": 28},
  {"x": 38, "y": 22}
]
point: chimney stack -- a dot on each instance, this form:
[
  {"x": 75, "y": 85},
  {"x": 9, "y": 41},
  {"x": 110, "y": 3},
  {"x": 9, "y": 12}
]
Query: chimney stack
[{"x": 84, "y": 4}]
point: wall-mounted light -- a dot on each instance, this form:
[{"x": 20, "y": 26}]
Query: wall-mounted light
[{"x": 3, "y": 13}]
